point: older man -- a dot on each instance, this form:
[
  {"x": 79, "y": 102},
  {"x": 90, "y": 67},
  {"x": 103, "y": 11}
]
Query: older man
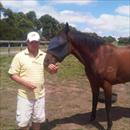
[{"x": 27, "y": 69}]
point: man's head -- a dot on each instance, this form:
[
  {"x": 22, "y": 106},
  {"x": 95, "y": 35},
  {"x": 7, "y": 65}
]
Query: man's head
[
  {"x": 33, "y": 36},
  {"x": 33, "y": 41}
]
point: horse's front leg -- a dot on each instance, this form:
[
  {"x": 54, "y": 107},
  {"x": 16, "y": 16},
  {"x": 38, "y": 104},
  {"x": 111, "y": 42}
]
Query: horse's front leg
[
  {"x": 95, "y": 95},
  {"x": 95, "y": 92},
  {"x": 108, "y": 97}
]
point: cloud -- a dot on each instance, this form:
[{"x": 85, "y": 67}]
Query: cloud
[
  {"x": 117, "y": 25},
  {"x": 29, "y": 5},
  {"x": 123, "y": 10},
  {"x": 77, "y": 2},
  {"x": 106, "y": 24},
  {"x": 20, "y": 5},
  {"x": 71, "y": 16},
  {"x": 109, "y": 22}
]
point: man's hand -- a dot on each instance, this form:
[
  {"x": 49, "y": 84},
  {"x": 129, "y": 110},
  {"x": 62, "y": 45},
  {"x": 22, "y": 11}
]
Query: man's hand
[
  {"x": 29, "y": 85},
  {"x": 52, "y": 68},
  {"x": 23, "y": 82}
]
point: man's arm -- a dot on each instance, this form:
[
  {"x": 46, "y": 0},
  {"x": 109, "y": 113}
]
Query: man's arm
[{"x": 23, "y": 82}]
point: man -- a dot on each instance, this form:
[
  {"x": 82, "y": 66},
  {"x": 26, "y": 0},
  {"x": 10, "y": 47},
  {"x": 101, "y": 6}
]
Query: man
[{"x": 27, "y": 69}]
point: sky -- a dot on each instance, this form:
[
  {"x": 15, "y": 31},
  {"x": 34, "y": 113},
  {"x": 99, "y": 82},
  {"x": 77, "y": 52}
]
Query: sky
[{"x": 104, "y": 17}]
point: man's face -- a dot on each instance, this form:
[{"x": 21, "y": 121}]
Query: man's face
[{"x": 34, "y": 45}]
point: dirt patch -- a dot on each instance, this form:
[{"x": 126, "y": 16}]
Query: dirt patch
[{"x": 68, "y": 107}]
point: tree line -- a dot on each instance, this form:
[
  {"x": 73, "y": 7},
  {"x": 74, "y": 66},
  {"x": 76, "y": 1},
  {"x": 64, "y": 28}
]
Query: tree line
[{"x": 15, "y": 26}]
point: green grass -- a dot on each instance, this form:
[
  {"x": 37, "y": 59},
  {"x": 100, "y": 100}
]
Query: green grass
[
  {"x": 5, "y": 81},
  {"x": 69, "y": 70},
  {"x": 4, "y": 66}
]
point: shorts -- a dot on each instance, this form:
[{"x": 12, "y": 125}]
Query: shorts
[{"x": 30, "y": 111}]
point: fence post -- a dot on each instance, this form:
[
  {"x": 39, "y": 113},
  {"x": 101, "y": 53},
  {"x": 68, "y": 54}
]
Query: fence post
[
  {"x": 8, "y": 48},
  {"x": 21, "y": 46}
]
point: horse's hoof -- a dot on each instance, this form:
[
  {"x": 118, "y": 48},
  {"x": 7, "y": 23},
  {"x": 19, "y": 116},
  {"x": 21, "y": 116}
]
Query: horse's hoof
[{"x": 109, "y": 127}]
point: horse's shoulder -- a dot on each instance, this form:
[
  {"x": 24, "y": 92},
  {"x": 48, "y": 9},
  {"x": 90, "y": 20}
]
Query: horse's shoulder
[{"x": 107, "y": 48}]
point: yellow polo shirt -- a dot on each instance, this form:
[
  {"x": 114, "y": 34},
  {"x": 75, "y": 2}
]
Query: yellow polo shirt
[{"x": 31, "y": 69}]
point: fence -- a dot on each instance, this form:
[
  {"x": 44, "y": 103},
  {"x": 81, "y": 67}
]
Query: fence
[{"x": 11, "y": 48}]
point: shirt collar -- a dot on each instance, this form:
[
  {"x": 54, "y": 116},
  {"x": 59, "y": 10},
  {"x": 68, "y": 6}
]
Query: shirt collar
[{"x": 27, "y": 52}]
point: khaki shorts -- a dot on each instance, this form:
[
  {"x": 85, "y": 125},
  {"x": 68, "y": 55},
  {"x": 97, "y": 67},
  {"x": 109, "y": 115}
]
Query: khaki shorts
[{"x": 30, "y": 111}]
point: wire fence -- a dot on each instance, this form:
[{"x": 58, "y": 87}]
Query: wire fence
[{"x": 12, "y": 47}]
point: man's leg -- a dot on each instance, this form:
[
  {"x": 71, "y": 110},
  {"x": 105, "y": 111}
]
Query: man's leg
[
  {"x": 24, "y": 112},
  {"x": 38, "y": 116}
]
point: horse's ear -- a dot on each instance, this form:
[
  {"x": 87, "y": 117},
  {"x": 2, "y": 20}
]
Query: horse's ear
[{"x": 66, "y": 28}]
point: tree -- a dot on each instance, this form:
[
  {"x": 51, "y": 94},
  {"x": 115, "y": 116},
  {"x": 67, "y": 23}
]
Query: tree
[
  {"x": 31, "y": 15},
  {"x": 1, "y": 6},
  {"x": 124, "y": 40},
  {"x": 109, "y": 39},
  {"x": 14, "y": 26},
  {"x": 8, "y": 13},
  {"x": 36, "y": 23},
  {"x": 50, "y": 26},
  {"x": 1, "y": 10}
]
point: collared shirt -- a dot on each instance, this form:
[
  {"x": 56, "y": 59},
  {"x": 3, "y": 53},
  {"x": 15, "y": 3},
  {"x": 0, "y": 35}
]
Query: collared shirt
[{"x": 31, "y": 69}]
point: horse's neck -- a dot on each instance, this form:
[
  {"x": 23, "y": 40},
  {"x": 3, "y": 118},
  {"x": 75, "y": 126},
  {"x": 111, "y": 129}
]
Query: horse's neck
[
  {"x": 83, "y": 55},
  {"x": 77, "y": 55}
]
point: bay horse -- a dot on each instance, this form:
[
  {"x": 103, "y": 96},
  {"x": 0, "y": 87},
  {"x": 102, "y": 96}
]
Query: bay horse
[{"x": 105, "y": 64}]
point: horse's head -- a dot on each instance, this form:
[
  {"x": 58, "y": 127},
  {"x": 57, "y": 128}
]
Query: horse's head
[{"x": 58, "y": 48}]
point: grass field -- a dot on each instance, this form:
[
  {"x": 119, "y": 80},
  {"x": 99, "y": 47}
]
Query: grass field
[{"x": 68, "y": 100}]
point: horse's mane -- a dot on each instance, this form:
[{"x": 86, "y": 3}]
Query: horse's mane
[{"x": 92, "y": 40}]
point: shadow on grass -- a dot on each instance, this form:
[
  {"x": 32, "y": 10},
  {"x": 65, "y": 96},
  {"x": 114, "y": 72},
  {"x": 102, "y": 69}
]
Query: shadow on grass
[{"x": 83, "y": 119}]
